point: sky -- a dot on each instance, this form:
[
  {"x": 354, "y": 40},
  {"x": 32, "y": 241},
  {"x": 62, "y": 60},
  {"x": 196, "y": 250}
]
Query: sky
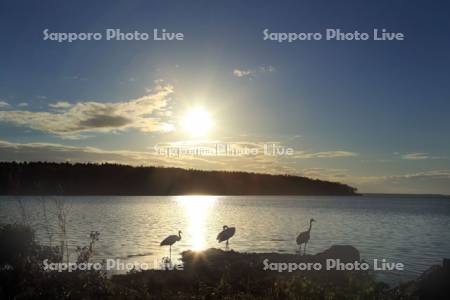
[{"x": 372, "y": 114}]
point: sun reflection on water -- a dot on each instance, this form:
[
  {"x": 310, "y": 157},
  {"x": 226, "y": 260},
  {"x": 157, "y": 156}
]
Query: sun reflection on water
[{"x": 197, "y": 209}]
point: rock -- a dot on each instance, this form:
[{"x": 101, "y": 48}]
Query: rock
[
  {"x": 218, "y": 258},
  {"x": 346, "y": 253},
  {"x": 446, "y": 265}
]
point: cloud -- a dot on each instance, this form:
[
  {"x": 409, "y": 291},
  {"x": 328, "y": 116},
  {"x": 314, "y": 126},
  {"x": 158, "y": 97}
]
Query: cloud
[
  {"x": 324, "y": 173},
  {"x": 62, "y": 153},
  {"x": 229, "y": 154},
  {"x": 4, "y": 104},
  {"x": 430, "y": 174},
  {"x": 251, "y": 73},
  {"x": 415, "y": 156},
  {"x": 60, "y": 105},
  {"x": 419, "y": 156},
  {"x": 267, "y": 69},
  {"x": 142, "y": 114},
  {"x": 22, "y": 104},
  {"x": 325, "y": 154},
  {"x": 423, "y": 182},
  {"x": 445, "y": 174},
  {"x": 241, "y": 73},
  {"x": 248, "y": 148}
]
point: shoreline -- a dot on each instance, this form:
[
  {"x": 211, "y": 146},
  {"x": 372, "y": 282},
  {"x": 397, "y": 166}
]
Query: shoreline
[{"x": 208, "y": 274}]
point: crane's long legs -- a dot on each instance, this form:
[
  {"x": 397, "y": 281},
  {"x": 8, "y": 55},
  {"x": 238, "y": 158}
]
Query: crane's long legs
[
  {"x": 304, "y": 251},
  {"x": 170, "y": 253},
  {"x": 226, "y": 245}
]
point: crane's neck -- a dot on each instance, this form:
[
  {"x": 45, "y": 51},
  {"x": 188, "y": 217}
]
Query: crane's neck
[{"x": 310, "y": 225}]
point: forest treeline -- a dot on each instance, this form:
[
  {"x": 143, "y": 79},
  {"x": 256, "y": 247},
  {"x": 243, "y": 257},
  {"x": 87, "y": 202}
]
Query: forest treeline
[{"x": 45, "y": 178}]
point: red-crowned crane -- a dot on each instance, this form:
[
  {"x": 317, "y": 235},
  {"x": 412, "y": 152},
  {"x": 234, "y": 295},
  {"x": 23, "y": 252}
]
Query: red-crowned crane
[
  {"x": 226, "y": 234},
  {"x": 303, "y": 237},
  {"x": 170, "y": 240}
]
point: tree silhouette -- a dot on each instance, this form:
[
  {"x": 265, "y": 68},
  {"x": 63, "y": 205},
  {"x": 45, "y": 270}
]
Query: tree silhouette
[{"x": 46, "y": 178}]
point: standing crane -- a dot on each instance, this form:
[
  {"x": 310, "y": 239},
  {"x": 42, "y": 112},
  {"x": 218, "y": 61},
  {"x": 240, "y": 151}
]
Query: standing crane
[
  {"x": 170, "y": 240},
  {"x": 303, "y": 237},
  {"x": 226, "y": 234}
]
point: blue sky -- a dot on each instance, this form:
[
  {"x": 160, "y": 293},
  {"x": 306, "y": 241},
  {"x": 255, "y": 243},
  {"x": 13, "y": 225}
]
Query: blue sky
[{"x": 373, "y": 114}]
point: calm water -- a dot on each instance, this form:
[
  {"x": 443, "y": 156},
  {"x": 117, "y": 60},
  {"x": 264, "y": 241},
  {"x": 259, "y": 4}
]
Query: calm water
[{"x": 411, "y": 231}]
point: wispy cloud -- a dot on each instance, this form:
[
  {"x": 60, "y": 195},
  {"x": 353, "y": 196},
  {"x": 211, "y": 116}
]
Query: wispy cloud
[
  {"x": 248, "y": 148},
  {"x": 420, "y": 156},
  {"x": 83, "y": 117},
  {"x": 325, "y": 154},
  {"x": 422, "y": 182},
  {"x": 325, "y": 173},
  {"x": 424, "y": 174},
  {"x": 251, "y": 73},
  {"x": 159, "y": 155},
  {"x": 4, "y": 104},
  {"x": 430, "y": 174},
  {"x": 22, "y": 104},
  {"x": 63, "y": 153},
  {"x": 241, "y": 73},
  {"x": 61, "y": 105}
]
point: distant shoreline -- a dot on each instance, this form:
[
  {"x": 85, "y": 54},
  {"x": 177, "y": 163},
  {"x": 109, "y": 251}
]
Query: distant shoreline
[
  {"x": 368, "y": 195},
  {"x": 401, "y": 195},
  {"x": 46, "y": 178}
]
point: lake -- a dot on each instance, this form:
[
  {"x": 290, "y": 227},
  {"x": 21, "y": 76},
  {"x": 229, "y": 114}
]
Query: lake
[{"x": 413, "y": 231}]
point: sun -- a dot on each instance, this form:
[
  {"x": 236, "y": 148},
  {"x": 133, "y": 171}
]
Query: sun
[{"x": 197, "y": 122}]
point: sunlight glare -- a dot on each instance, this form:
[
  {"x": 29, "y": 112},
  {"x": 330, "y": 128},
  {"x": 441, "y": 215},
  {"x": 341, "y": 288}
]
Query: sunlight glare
[{"x": 197, "y": 210}]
